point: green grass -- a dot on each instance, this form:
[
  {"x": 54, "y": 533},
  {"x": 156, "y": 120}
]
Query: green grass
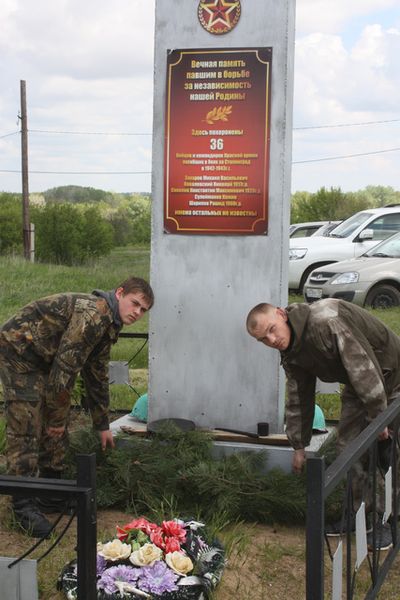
[{"x": 22, "y": 282}]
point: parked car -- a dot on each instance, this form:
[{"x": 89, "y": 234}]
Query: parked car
[
  {"x": 372, "y": 279},
  {"x": 353, "y": 237},
  {"x": 305, "y": 229},
  {"x": 326, "y": 229}
]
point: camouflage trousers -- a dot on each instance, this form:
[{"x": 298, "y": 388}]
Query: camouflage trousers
[
  {"x": 353, "y": 420},
  {"x": 30, "y": 450}
]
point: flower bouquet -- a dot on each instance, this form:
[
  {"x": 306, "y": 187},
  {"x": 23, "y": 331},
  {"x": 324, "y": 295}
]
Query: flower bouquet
[{"x": 171, "y": 561}]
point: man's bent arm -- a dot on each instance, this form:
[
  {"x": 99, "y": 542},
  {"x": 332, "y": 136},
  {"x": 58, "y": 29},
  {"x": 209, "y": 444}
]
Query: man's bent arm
[{"x": 300, "y": 406}]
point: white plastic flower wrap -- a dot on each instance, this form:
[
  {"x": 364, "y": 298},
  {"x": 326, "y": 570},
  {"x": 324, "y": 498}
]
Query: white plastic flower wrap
[{"x": 176, "y": 560}]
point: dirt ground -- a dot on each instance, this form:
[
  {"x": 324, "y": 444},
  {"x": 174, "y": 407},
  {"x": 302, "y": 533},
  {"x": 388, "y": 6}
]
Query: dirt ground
[{"x": 264, "y": 562}]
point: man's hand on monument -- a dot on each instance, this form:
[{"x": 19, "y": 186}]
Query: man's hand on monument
[
  {"x": 299, "y": 458},
  {"x": 106, "y": 438},
  {"x": 384, "y": 435}
]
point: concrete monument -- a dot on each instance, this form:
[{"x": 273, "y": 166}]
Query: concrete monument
[{"x": 223, "y": 90}]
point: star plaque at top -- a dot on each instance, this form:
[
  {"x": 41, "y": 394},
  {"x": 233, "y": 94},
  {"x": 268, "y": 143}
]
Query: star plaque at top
[{"x": 219, "y": 16}]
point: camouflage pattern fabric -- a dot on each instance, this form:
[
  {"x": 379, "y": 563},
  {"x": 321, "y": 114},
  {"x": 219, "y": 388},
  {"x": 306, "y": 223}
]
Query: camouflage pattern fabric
[
  {"x": 335, "y": 340},
  {"x": 28, "y": 446},
  {"x": 42, "y": 350}
]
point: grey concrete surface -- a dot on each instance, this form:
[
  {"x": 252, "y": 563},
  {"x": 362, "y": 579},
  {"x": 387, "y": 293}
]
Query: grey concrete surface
[{"x": 202, "y": 363}]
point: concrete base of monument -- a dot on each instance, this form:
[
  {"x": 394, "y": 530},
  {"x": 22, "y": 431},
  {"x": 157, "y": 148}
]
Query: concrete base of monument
[
  {"x": 276, "y": 448},
  {"x": 275, "y": 456}
]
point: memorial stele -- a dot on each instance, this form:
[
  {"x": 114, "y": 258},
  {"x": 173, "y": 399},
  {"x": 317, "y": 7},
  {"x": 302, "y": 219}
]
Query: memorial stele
[{"x": 222, "y": 131}]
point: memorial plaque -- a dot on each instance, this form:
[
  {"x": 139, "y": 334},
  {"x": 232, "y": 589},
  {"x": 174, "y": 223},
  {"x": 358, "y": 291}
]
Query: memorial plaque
[{"x": 217, "y": 141}]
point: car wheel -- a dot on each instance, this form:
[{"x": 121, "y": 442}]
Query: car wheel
[
  {"x": 383, "y": 296},
  {"x": 304, "y": 277}
]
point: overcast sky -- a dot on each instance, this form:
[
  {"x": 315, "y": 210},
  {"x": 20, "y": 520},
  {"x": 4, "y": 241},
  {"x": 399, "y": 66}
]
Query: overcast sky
[{"x": 88, "y": 66}]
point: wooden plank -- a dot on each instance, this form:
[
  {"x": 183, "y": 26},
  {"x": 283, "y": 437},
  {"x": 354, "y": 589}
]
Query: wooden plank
[{"x": 278, "y": 439}]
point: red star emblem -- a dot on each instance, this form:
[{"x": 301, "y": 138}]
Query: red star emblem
[{"x": 219, "y": 16}]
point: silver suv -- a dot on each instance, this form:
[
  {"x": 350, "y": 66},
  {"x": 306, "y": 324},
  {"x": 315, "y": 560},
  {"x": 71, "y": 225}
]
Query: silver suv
[{"x": 353, "y": 237}]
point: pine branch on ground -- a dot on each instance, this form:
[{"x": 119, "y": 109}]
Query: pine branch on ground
[{"x": 177, "y": 470}]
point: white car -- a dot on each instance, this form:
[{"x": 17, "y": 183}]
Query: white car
[
  {"x": 353, "y": 237},
  {"x": 305, "y": 229},
  {"x": 326, "y": 229},
  {"x": 372, "y": 279}
]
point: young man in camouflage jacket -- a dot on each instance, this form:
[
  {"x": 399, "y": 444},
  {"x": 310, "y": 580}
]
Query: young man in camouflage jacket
[
  {"x": 333, "y": 340},
  {"x": 42, "y": 349}
]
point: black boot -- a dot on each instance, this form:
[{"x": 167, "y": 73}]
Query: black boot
[
  {"x": 52, "y": 504},
  {"x": 29, "y": 518}
]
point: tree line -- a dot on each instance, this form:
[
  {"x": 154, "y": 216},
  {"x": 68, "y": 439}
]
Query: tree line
[
  {"x": 333, "y": 204},
  {"x": 74, "y": 225}
]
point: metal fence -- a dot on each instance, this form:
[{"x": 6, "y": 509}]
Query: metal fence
[
  {"x": 321, "y": 482},
  {"x": 83, "y": 490}
]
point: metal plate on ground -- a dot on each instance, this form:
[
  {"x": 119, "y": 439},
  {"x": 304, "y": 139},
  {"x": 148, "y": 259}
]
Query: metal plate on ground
[
  {"x": 361, "y": 535},
  {"x": 337, "y": 573},
  {"x": 20, "y": 581}
]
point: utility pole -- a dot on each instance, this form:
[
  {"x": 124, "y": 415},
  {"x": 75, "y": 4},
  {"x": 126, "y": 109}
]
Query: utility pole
[{"x": 25, "y": 180}]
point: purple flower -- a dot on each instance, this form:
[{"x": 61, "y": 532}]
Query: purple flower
[
  {"x": 157, "y": 579},
  {"x": 101, "y": 564},
  {"x": 113, "y": 574}
]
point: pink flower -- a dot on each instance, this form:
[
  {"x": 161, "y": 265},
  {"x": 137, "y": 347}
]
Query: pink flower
[
  {"x": 173, "y": 529},
  {"x": 141, "y": 523},
  {"x": 156, "y": 536},
  {"x": 172, "y": 545}
]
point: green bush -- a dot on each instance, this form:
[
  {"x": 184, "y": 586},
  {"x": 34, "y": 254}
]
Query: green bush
[
  {"x": 76, "y": 194},
  {"x": 131, "y": 221},
  {"x": 69, "y": 235},
  {"x": 10, "y": 223},
  {"x": 97, "y": 234}
]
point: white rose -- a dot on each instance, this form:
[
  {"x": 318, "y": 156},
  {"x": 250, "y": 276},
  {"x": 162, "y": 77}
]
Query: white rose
[
  {"x": 146, "y": 555},
  {"x": 179, "y": 562},
  {"x": 115, "y": 550}
]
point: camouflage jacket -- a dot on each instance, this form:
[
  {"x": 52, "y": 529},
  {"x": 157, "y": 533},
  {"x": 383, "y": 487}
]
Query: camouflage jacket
[
  {"x": 335, "y": 340},
  {"x": 63, "y": 335}
]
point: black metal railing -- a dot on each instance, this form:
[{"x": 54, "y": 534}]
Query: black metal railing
[
  {"x": 83, "y": 490},
  {"x": 322, "y": 482}
]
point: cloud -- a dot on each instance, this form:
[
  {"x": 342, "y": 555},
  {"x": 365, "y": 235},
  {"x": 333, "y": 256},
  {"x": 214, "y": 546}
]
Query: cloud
[
  {"x": 335, "y": 85},
  {"x": 86, "y": 40},
  {"x": 89, "y": 67},
  {"x": 330, "y": 16}
]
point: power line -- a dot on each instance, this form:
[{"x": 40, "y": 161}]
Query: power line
[
  {"x": 295, "y": 162},
  {"x": 345, "y": 124},
  {"x": 79, "y": 172},
  {"x": 299, "y": 162},
  {"x": 382, "y": 121},
  {"x": 86, "y": 132},
  {"x": 127, "y": 133},
  {"x": 8, "y": 134}
]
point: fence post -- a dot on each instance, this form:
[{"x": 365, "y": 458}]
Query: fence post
[
  {"x": 87, "y": 530},
  {"x": 315, "y": 528}
]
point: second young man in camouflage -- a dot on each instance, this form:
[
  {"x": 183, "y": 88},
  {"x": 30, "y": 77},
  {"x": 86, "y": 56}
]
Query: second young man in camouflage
[
  {"x": 333, "y": 340},
  {"x": 42, "y": 349}
]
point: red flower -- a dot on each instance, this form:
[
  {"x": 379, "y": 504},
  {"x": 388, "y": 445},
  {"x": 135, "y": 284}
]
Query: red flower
[
  {"x": 174, "y": 530},
  {"x": 156, "y": 536},
  {"x": 172, "y": 545},
  {"x": 142, "y": 524}
]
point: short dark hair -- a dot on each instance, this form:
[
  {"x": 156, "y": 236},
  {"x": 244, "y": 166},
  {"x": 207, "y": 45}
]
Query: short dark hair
[
  {"x": 252, "y": 317},
  {"x": 137, "y": 284}
]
